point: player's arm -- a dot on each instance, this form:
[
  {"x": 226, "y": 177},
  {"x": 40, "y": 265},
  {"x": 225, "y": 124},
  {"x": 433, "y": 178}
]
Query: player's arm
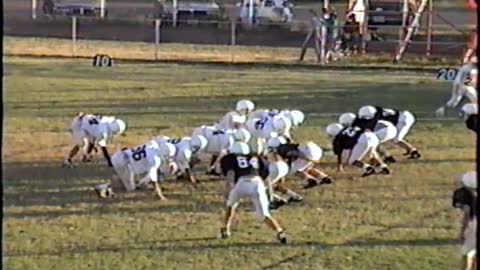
[
  {"x": 154, "y": 177},
  {"x": 192, "y": 177}
]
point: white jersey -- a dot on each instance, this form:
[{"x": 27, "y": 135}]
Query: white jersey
[
  {"x": 260, "y": 114},
  {"x": 219, "y": 140},
  {"x": 183, "y": 154},
  {"x": 230, "y": 119},
  {"x": 98, "y": 132},
  {"x": 143, "y": 158}
]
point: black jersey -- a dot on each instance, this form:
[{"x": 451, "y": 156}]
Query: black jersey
[
  {"x": 472, "y": 123},
  {"x": 243, "y": 165},
  {"x": 346, "y": 139},
  {"x": 367, "y": 124},
  {"x": 388, "y": 115},
  {"x": 288, "y": 151}
]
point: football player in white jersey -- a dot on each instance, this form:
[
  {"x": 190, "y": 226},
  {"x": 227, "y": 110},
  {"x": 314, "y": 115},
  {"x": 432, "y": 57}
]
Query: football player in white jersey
[
  {"x": 89, "y": 131},
  {"x": 186, "y": 149},
  {"x": 462, "y": 88},
  {"x": 263, "y": 129},
  {"x": 219, "y": 144},
  {"x": 132, "y": 163},
  {"x": 237, "y": 118}
]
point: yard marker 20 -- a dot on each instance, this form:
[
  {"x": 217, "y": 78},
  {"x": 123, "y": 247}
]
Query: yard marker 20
[{"x": 102, "y": 60}]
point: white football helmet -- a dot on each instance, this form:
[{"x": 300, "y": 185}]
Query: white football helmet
[
  {"x": 298, "y": 117},
  {"x": 347, "y": 119},
  {"x": 333, "y": 129},
  {"x": 311, "y": 150},
  {"x": 281, "y": 124},
  {"x": 276, "y": 142},
  {"x": 470, "y": 108},
  {"x": 198, "y": 143},
  {"x": 469, "y": 180},
  {"x": 118, "y": 126},
  {"x": 167, "y": 150},
  {"x": 367, "y": 112},
  {"x": 245, "y": 106},
  {"x": 242, "y": 135},
  {"x": 240, "y": 148}
]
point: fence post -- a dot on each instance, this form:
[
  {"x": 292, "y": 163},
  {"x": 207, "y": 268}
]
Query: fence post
[
  {"x": 233, "y": 41},
  {"x": 250, "y": 12},
  {"x": 323, "y": 44},
  {"x": 175, "y": 12},
  {"x": 102, "y": 8},
  {"x": 34, "y": 9},
  {"x": 429, "y": 28},
  {"x": 74, "y": 35},
  {"x": 233, "y": 33},
  {"x": 157, "y": 37},
  {"x": 401, "y": 33}
]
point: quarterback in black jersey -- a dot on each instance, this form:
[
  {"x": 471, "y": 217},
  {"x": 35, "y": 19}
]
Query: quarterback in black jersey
[
  {"x": 248, "y": 172},
  {"x": 402, "y": 120}
]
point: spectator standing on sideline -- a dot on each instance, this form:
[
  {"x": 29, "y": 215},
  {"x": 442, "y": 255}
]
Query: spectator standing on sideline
[
  {"x": 315, "y": 33},
  {"x": 351, "y": 30}
]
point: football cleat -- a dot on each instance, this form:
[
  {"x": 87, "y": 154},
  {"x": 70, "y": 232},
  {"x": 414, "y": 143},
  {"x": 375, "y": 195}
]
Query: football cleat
[
  {"x": 224, "y": 233},
  {"x": 104, "y": 191},
  {"x": 389, "y": 160},
  {"x": 297, "y": 198},
  {"x": 213, "y": 172},
  {"x": 368, "y": 171},
  {"x": 274, "y": 205},
  {"x": 67, "y": 163},
  {"x": 326, "y": 180},
  {"x": 282, "y": 237},
  {"x": 414, "y": 155},
  {"x": 385, "y": 170},
  {"x": 310, "y": 183}
]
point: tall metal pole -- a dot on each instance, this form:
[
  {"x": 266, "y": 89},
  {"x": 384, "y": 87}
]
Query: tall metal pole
[
  {"x": 74, "y": 35},
  {"x": 34, "y": 9},
  {"x": 429, "y": 28},
  {"x": 102, "y": 8},
  {"x": 401, "y": 32},
  {"x": 175, "y": 12},
  {"x": 157, "y": 37},
  {"x": 250, "y": 12}
]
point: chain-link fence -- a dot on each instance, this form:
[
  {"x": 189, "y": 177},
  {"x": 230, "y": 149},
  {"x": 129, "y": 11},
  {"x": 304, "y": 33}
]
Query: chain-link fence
[{"x": 436, "y": 36}]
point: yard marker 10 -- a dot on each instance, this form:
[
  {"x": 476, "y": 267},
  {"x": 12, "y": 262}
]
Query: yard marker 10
[{"x": 102, "y": 60}]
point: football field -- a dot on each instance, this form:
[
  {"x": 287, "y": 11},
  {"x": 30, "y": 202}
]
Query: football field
[{"x": 53, "y": 219}]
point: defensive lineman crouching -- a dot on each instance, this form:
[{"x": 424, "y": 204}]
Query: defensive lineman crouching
[
  {"x": 402, "y": 120},
  {"x": 130, "y": 164},
  {"x": 464, "y": 198},
  {"x": 247, "y": 172},
  {"x": 301, "y": 159},
  {"x": 352, "y": 145},
  {"x": 384, "y": 130},
  {"x": 89, "y": 131}
]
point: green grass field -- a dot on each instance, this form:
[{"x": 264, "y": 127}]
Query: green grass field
[{"x": 52, "y": 219}]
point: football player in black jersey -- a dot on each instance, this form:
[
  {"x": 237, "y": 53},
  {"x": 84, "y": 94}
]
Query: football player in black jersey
[
  {"x": 470, "y": 112},
  {"x": 247, "y": 172},
  {"x": 384, "y": 130},
  {"x": 352, "y": 144},
  {"x": 301, "y": 159},
  {"x": 402, "y": 120}
]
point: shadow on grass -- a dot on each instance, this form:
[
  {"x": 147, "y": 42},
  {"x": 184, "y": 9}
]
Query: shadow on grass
[{"x": 167, "y": 246}]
